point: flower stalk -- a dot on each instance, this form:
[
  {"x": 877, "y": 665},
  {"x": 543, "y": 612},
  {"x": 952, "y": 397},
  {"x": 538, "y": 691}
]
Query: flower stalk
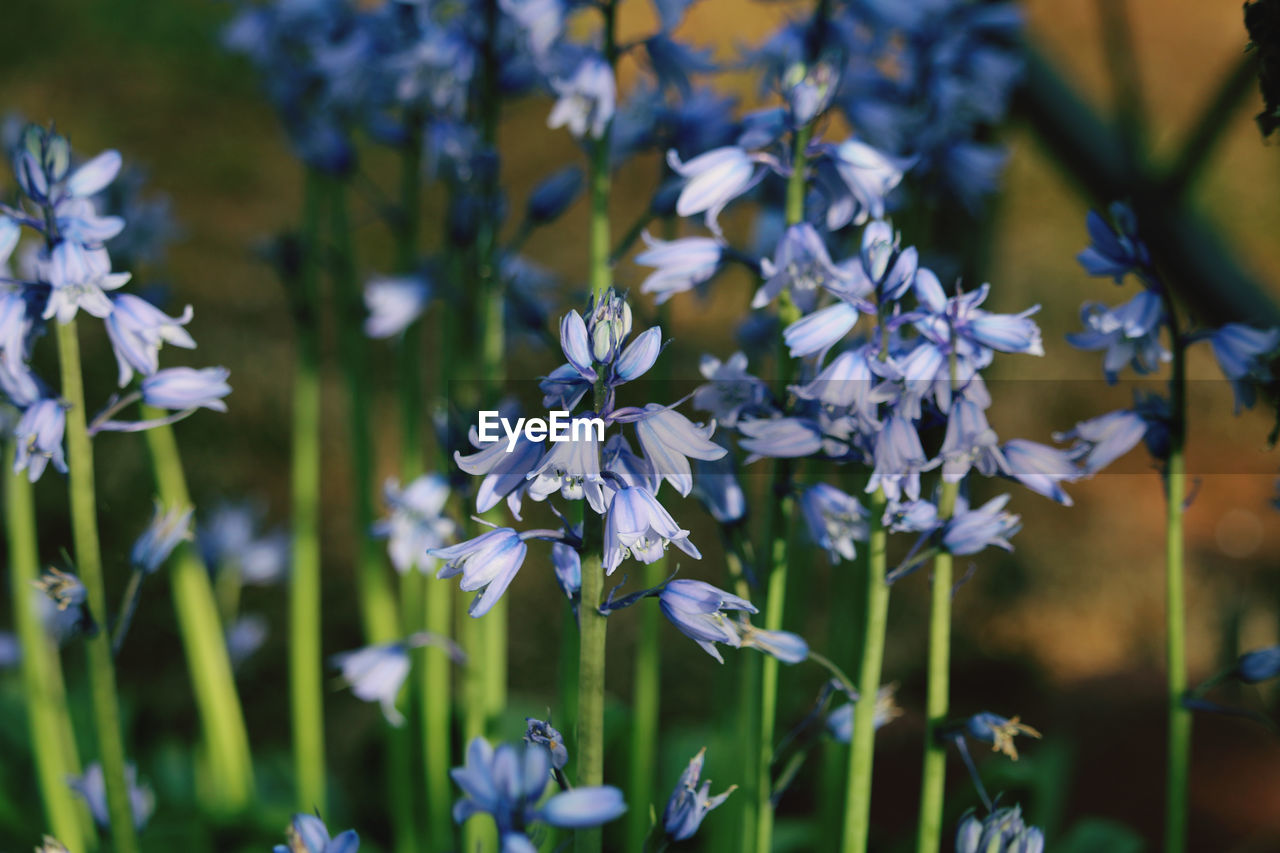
[{"x": 1175, "y": 483}]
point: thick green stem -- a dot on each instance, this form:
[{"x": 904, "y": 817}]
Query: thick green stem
[
  {"x": 88, "y": 558},
  {"x": 203, "y": 637},
  {"x": 933, "y": 784},
  {"x": 1179, "y": 743},
  {"x": 52, "y": 740},
  {"x": 305, "y": 666},
  {"x": 857, "y": 816}
]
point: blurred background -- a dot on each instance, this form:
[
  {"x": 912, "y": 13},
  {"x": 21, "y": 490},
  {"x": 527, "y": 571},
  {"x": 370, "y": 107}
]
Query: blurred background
[{"x": 1066, "y": 631}]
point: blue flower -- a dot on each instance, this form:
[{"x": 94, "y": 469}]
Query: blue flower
[
  {"x": 840, "y": 721},
  {"x": 417, "y": 523},
  {"x": 780, "y": 438},
  {"x": 698, "y": 610},
  {"x": 731, "y": 391},
  {"x": 79, "y": 277},
  {"x": 571, "y": 468},
  {"x": 835, "y": 520},
  {"x": 93, "y": 788},
  {"x": 394, "y": 303},
  {"x": 971, "y": 531},
  {"x": 1259, "y": 665},
  {"x": 680, "y": 265},
  {"x": 1242, "y": 353},
  {"x": 669, "y": 440},
  {"x": 183, "y": 388},
  {"x": 712, "y": 180},
  {"x": 1114, "y": 251},
  {"x": 690, "y": 802},
  {"x": 505, "y": 472},
  {"x": 228, "y": 542},
  {"x": 609, "y": 324},
  {"x": 639, "y": 527},
  {"x": 586, "y": 99},
  {"x": 138, "y": 329},
  {"x": 802, "y": 267},
  {"x": 899, "y": 459},
  {"x": 38, "y": 439},
  {"x": 1041, "y": 468},
  {"x": 542, "y": 733},
  {"x": 10, "y": 650},
  {"x": 1102, "y": 440},
  {"x": 785, "y": 646},
  {"x": 553, "y": 196},
  {"x": 567, "y": 563},
  {"x": 998, "y": 731},
  {"x": 716, "y": 485},
  {"x": 168, "y": 529},
  {"x": 489, "y": 562},
  {"x": 1130, "y": 334},
  {"x": 507, "y": 784},
  {"x": 1002, "y": 831},
  {"x": 959, "y": 322},
  {"x": 857, "y": 178},
  {"x": 970, "y": 442},
  {"x": 377, "y": 673},
  {"x": 244, "y": 637},
  {"x": 308, "y": 834}
]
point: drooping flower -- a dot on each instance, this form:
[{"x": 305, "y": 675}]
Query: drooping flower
[
  {"x": 1259, "y": 665},
  {"x": 168, "y": 529},
  {"x": 857, "y": 179},
  {"x": 1041, "y": 468},
  {"x": 973, "y": 530},
  {"x": 970, "y": 442},
  {"x": 691, "y": 801},
  {"x": 840, "y": 721},
  {"x": 417, "y": 523},
  {"x": 1129, "y": 334},
  {"x": 698, "y": 610},
  {"x": 308, "y": 834},
  {"x": 1002, "y": 831},
  {"x": 182, "y": 388},
  {"x": 1116, "y": 250},
  {"x": 587, "y": 99},
  {"x": 376, "y": 673},
  {"x": 1241, "y": 352},
  {"x": 899, "y": 459},
  {"x": 679, "y": 265},
  {"x": 801, "y": 267},
  {"x": 91, "y": 785},
  {"x": 836, "y": 520},
  {"x": 669, "y": 440},
  {"x": 730, "y": 391},
  {"x": 79, "y": 277},
  {"x": 712, "y": 180},
  {"x": 229, "y": 541},
  {"x": 489, "y": 562},
  {"x": 505, "y": 472},
  {"x": 1102, "y": 440},
  {"x": 571, "y": 468},
  {"x": 38, "y": 439},
  {"x": 138, "y": 329},
  {"x": 638, "y": 526},
  {"x": 780, "y": 438}
]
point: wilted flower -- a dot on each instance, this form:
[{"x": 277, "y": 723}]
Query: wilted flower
[
  {"x": 998, "y": 731},
  {"x": 690, "y": 802},
  {"x": 542, "y": 733}
]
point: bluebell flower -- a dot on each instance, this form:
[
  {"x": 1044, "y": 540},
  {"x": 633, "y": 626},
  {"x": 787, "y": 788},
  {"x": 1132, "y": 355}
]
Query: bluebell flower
[
  {"x": 554, "y": 194},
  {"x": 1102, "y": 440},
  {"x": 587, "y": 99},
  {"x": 229, "y": 541},
  {"x": 638, "y": 357},
  {"x": 840, "y": 720},
  {"x": 1002, "y": 831},
  {"x": 691, "y": 801},
  {"x": 1115, "y": 250},
  {"x": 887, "y": 266},
  {"x": 698, "y": 610},
  {"x": 779, "y": 438},
  {"x": 567, "y": 563},
  {"x": 669, "y": 440},
  {"x": 417, "y": 523},
  {"x": 168, "y": 529},
  {"x": 91, "y": 785},
  {"x": 857, "y": 178},
  {"x": 1041, "y": 468},
  {"x": 852, "y": 384},
  {"x": 542, "y": 733},
  {"x": 628, "y": 467},
  {"x": 730, "y": 390},
  {"x": 817, "y": 332},
  {"x": 489, "y": 562},
  {"x": 308, "y": 834},
  {"x": 899, "y": 458},
  {"x": 716, "y": 485},
  {"x": 1242, "y": 353},
  {"x": 138, "y": 329},
  {"x": 376, "y": 673},
  {"x": 713, "y": 179},
  {"x": 62, "y": 588},
  {"x": 802, "y": 267},
  {"x": 680, "y": 265},
  {"x": 505, "y": 472},
  {"x": 608, "y": 326},
  {"x": 1259, "y": 665},
  {"x": 974, "y": 530},
  {"x": 542, "y": 22},
  {"x": 809, "y": 88},
  {"x": 785, "y": 646},
  {"x": 970, "y": 442},
  {"x": 998, "y": 731},
  {"x": 38, "y": 439},
  {"x": 244, "y": 637},
  {"x": 394, "y": 303},
  {"x": 1130, "y": 334},
  {"x": 639, "y": 527},
  {"x": 79, "y": 277},
  {"x": 673, "y": 62},
  {"x": 182, "y": 388},
  {"x": 508, "y": 783},
  {"x": 959, "y": 322},
  {"x": 836, "y": 520},
  {"x": 571, "y": 468}
]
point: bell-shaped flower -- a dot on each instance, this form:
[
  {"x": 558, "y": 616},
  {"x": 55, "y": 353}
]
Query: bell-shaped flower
[
  {"x": 679, "y": 265},
  {"x": 691, "y": 801},
  {"x": 713, "y": 179},
  {"x": 571, "y": 468},
  {"x": 168, "y": 529},
  {"x": 542, "y": 733},
  {"x": 851, "y": 384},
  {"x": 716, "y": 485},
  {"x": 784, "y": 646},
  {"x": 229, "y": 541},
  {"x": 567, "y": 563},
  {"x": 489, "y": 562},
  {"x": 92, "y": 786},
  {"x": 1114, "y": 251},
  {"x": 836, "y": 520},
  {"x": 1041, "y": 468},
  {"x": 586, "y": 99},
  {"x": 840, "y": 721},
  {"x": 857, "y": 178},
  {"x": 394, "y": 303},
  {"x": 802, "y": 267},
  {"x": 38, "y": 439},
  {"x": 505, "y": 472},
  {"x": 626, "y": 466},
  {"x": 730, "y": 390},
  {"x": 638, "y": 357},
  {"x": 698, "y": 609},
  {"x": 417, "y": 523},
  {"x": 669, "y": 440},
  {"x": 817, "y": 332},
  {"x": 639, "y": 527},
  {"x": 973, "y": 530},
  {"x": 899, "y": 459},
  {"x": 970, "y": 442},
  {"x": 1002, "y": 831},
  {"x": 308, "y": 834},
  {"x": 138, "y": 329},
  {"x": 1102, "y": 440},
  {"x": 1243, "y": 354},
  {"x": 183, "y": 388},
  {"x": 1129, "y": 334},
  {"x": 79, "y": 277},
  {"x": 1261, "y": 665},
  {"x": 958, "y": 321},
  {"x": 780, "y": 438}
]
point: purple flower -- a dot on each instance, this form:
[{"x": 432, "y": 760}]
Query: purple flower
[
  {"x": 167, "y": 530},
  {"x": 679, "y": 265},
  {"x": 959, "y": 322},
  {"x": 970, "y": 442},
  {"x": 92, "y": 786},
  {"x": 785, "y": 646},
  {"x": 971, "y": 531},
  {"x": 899, "y": 459},
  {"x": 698, "y": 610},
  {"x": 712, "y": 180},
  {"x": 779, "y": 438},
  {"x": 1130, "y": 334},
  {"x": 377, "y": 673},
  {"x": 489, "y": 563},
  {"x": 835, "y": 520},
  {"x": 851, "y": 384},
  {"x": 1003, "y": 830},
  {"x": 182, "y": 388},
  {"x": 638, "y": 526},
  {"x": 1114, "y": 251},
  {"x": 541, "y": 732},
  {"x": 553, "y": 196},
  {"x": 568, "y": 568},
  {"x": 802, "y": 267},
  {"x": 505, "y": 472},
  {"x": 417, "y": 523},
  {"x": 308, "y": 834},
  {"x": 1259, "y": 665},
  {"x": 394, "y": 303},
  {"x": 1242, "y": 353},
  {"x": 571, "y": 468},
  {"x": 586, "y": 99},
  {"x": 79, "y": 278},
  {"x": 138, "y": 329},
  {"x": 857, "y": 179},
  {"x": 38, "y": 439},
  {"x": 1102, "y": 440},
  {"x": 669, "y": 440},
  {"x": 690, "y": 802},
  {"x": 840, "y": 721},
  {"x": 1041, "y": 468},
  {"x": 731, "y": 390}
]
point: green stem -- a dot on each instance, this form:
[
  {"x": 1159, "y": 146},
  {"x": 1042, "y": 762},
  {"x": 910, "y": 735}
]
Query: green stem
[
  {"x": 203, "y": 637},
  {"x": 857, "y": 818},
  {"x": 933, "y": 786},
  {"x": 645, "y": 705},
  {"x": 305, "y": 664},
  {"x": 1179, "y": 743},
  {"x": 88, "y": 557},
  {"x": 49, "y": 723}
]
